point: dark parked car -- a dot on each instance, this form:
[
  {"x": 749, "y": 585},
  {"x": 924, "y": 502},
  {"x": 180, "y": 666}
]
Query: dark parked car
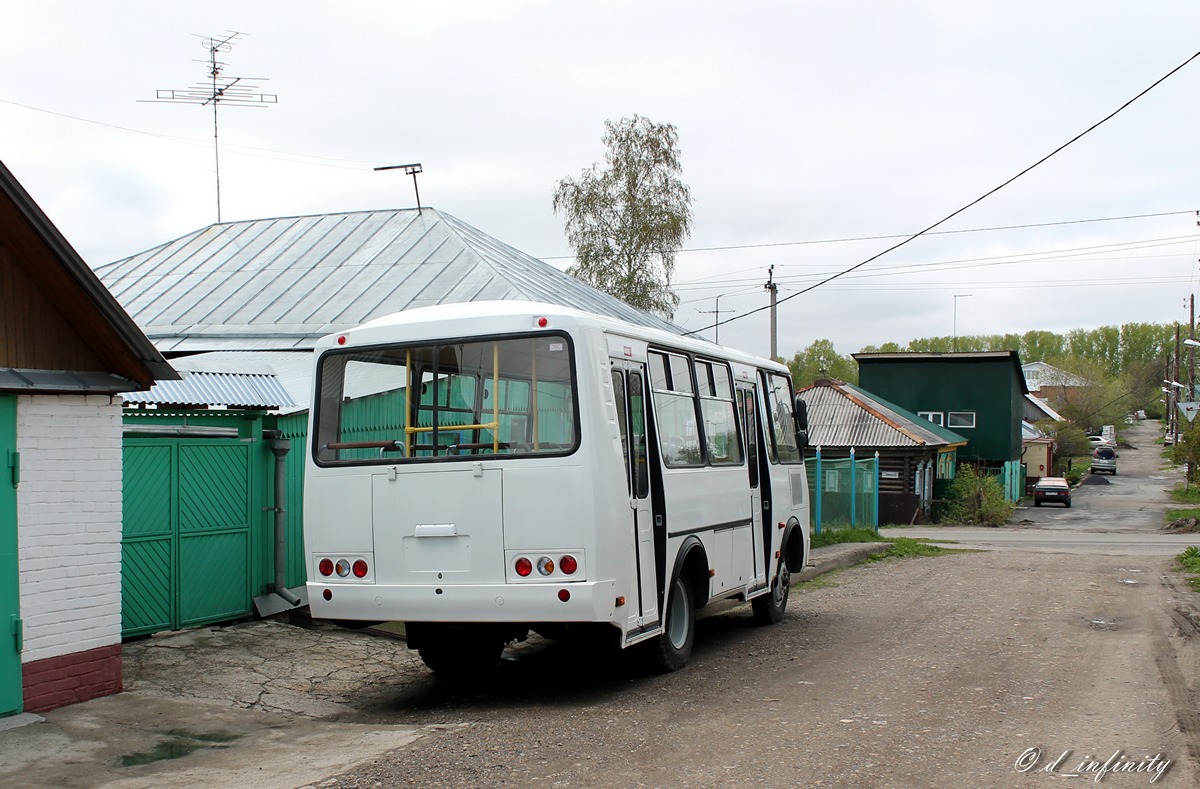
[{"x": 1052, "y": 489}]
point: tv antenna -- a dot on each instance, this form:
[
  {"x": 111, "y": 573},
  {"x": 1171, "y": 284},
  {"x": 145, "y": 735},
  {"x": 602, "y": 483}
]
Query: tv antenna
[
  {"x": 414, "y": 170},
  {"x": 218, "y": 89}
]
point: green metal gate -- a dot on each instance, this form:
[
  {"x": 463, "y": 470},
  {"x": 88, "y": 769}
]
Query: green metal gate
[
  {"x": 10, "y": 614},
  {"x": 194, "y": 522}
]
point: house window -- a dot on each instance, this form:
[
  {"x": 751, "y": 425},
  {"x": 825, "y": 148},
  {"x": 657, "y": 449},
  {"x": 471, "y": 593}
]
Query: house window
[
  {"x": 932, "y": 416},
  {"x": 960, "y": 419}
]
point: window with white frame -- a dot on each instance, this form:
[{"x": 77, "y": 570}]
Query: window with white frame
[
  {"x": 932, "y": 416},
  {"x": 960, "y": 419}
]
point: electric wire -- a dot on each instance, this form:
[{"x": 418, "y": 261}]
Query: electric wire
[{"x": 969, "y": 205}]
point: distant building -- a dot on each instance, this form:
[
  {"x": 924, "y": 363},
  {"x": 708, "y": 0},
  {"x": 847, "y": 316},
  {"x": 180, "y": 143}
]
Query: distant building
[
  {"x": 1055, "y": 386},
  {"x": 980, "y": 396},
  {"x": 913, "y": 452}
]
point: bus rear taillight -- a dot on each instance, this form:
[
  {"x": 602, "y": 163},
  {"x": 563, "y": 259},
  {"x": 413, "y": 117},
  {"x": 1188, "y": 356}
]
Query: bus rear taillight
[
  {"x": 325, "y": 567},
  {"x": 342, "y": 568},
  {"x": 545, "y": 565},
  {"x": 524, "y": 567},
  {"x": 568, "y": 564},
  {"x": 359, "y": 569}
]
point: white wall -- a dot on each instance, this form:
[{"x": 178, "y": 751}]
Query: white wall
[{"x": 69, "y": 522}]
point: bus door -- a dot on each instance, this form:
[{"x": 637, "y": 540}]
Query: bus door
[
  {"x": 747, "y": 399},
  {"x": 629, "y": 390}
]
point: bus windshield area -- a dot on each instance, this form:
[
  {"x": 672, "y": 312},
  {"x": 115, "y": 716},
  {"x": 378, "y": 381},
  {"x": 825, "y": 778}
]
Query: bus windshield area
[{"x": 501, "y": 397}]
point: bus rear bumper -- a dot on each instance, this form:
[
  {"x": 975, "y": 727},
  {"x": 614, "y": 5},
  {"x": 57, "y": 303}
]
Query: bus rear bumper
[{"x": 586, "y": 602}]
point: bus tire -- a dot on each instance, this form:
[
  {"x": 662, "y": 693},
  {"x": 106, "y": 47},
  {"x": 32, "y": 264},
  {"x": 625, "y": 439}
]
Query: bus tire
[
  {"x": 769, "y": 608},
  {"x": 673, "y": 647}
]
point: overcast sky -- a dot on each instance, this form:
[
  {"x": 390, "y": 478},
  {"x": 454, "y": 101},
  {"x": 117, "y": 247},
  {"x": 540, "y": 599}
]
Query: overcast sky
[{"x": 801, "y": 125}]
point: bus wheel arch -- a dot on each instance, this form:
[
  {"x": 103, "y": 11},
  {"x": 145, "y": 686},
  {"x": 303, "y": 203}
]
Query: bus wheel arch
[
  {"x": 793, "y": 547},
  {"x": 685, "y": 595}
]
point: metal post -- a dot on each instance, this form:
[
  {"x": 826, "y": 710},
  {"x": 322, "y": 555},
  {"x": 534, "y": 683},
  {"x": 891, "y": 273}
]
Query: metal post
[
  {"x": 876, "y": 490},
  {"x": 853, "y": 491},
  {"x": 819, "y": 496},
  {"x": 773, "y": 289}
]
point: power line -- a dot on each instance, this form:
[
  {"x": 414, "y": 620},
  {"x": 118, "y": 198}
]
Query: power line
[
  {"x": 813, "y": 242},
  {"x": 974, "y": 202}
]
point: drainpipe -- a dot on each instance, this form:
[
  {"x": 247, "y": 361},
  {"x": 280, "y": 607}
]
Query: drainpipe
[{"x": 280, "y": 448}]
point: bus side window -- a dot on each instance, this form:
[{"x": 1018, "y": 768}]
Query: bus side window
[
  {"x": 618, "y": 384},
  {"x": 637, "y": 424}
]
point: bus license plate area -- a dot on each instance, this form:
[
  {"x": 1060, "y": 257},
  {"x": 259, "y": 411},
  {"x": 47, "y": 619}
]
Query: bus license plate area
[{"x": 437, "y": 554}]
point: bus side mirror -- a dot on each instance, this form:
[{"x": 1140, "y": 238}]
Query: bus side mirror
[{"x": 800, "y": 415}]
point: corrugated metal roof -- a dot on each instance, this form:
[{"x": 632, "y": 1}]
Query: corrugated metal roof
[
  {"x": 275, "y": 284},
  {"x": 293, "y": 370},
  {"x": 215, "y": 389},
  {"x": 842, "y": 415}
]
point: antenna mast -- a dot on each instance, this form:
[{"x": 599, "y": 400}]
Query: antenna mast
[{"x": 216, "y": 90}]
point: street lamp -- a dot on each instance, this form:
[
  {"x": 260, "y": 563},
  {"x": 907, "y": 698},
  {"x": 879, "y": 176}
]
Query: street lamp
[
  {"x": 1191, "y": 343},
  {"x": 958, "y": 296}
]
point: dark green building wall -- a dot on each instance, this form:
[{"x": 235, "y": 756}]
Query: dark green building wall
[{"x": 993, "y": 388}]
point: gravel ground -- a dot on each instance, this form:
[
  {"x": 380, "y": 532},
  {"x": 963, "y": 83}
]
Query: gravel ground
[{"x": 939, "y": 672}]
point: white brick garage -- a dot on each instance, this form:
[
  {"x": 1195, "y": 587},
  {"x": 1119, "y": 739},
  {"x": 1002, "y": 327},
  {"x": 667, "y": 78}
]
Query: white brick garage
[
  {"x": 66, "y": 348},
  {"x": 69, "y": 546}
]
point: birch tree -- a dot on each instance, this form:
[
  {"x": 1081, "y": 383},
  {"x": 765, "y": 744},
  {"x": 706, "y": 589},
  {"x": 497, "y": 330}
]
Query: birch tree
[{"x": 628, "y": 219}]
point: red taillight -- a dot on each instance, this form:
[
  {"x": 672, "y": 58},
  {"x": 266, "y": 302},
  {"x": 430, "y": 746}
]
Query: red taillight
[
  {"x": 564, "y": 595},
  {"x": 524, "y": 567},
  {"x": 568, "y": 564},
  {"x": 327, "y": 594},
  {"x": 360, "y": 569},
  {"x": 325, "y": 567}
]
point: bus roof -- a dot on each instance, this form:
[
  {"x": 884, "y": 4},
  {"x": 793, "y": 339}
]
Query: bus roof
[{"x": 441, "y": 320}]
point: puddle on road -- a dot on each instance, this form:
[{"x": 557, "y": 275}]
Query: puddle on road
[{"x": 179, "y": 744}]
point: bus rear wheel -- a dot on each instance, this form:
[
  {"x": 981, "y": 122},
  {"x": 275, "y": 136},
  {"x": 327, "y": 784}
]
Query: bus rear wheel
[
  {"x": 769, "y": 608},
  {"x": 458, "y": 652},
  {"x": 672, "y": 648}
]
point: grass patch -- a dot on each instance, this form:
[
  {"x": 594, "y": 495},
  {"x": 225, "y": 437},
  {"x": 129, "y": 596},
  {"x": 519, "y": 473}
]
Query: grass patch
[
  {"x": 1186, "y": 495},
  {"x": 837, "y": 536},
  {"x": 1189, "y": 562},
  {"x": 1175, "y": 515},
  {"x": 906, "y": 547}
]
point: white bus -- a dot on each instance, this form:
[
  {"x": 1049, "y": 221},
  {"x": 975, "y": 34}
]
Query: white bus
[{"x": 481, "y": 470}]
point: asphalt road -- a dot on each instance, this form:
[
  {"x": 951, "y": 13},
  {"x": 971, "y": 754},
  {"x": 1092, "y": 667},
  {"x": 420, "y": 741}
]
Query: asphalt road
[{"x": 1113, "y": 515}]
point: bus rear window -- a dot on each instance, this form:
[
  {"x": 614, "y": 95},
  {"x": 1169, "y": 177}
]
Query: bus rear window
[{"x": 402, "y": 404}]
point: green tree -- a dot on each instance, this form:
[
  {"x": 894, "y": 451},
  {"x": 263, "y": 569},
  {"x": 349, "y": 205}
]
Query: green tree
[
  {"x": 821, "y": 360},
  {"x": 1041, "y": 346},
  {"x": 628, "y": 219}
]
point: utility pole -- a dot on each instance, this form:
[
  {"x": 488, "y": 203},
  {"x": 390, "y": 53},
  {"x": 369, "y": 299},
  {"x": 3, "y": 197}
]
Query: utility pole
[
  {"x": 1175, "y": 409},
  {"x": 717, "y": 320},
  {"x": 958, "y": 296},
  {"x": 773, "y": 289},
  {"x": 1191, "y": 392}
]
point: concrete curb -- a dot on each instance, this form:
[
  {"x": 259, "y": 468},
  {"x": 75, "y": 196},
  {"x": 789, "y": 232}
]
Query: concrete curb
[{"x": 834, "y": 557}]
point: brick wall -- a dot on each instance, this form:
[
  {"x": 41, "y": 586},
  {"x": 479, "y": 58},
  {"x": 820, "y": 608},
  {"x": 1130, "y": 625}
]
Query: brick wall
[
  {"x": 68, "y": 679},
  {"x": 69, "y": 542}
]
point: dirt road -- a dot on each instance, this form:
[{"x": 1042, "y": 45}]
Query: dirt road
[{"x": 984, "y": 669}]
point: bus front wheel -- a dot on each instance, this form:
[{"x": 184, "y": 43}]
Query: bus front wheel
[
  {"x": 673, "y": 647},
  {"x": 769, "y": 608}
]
